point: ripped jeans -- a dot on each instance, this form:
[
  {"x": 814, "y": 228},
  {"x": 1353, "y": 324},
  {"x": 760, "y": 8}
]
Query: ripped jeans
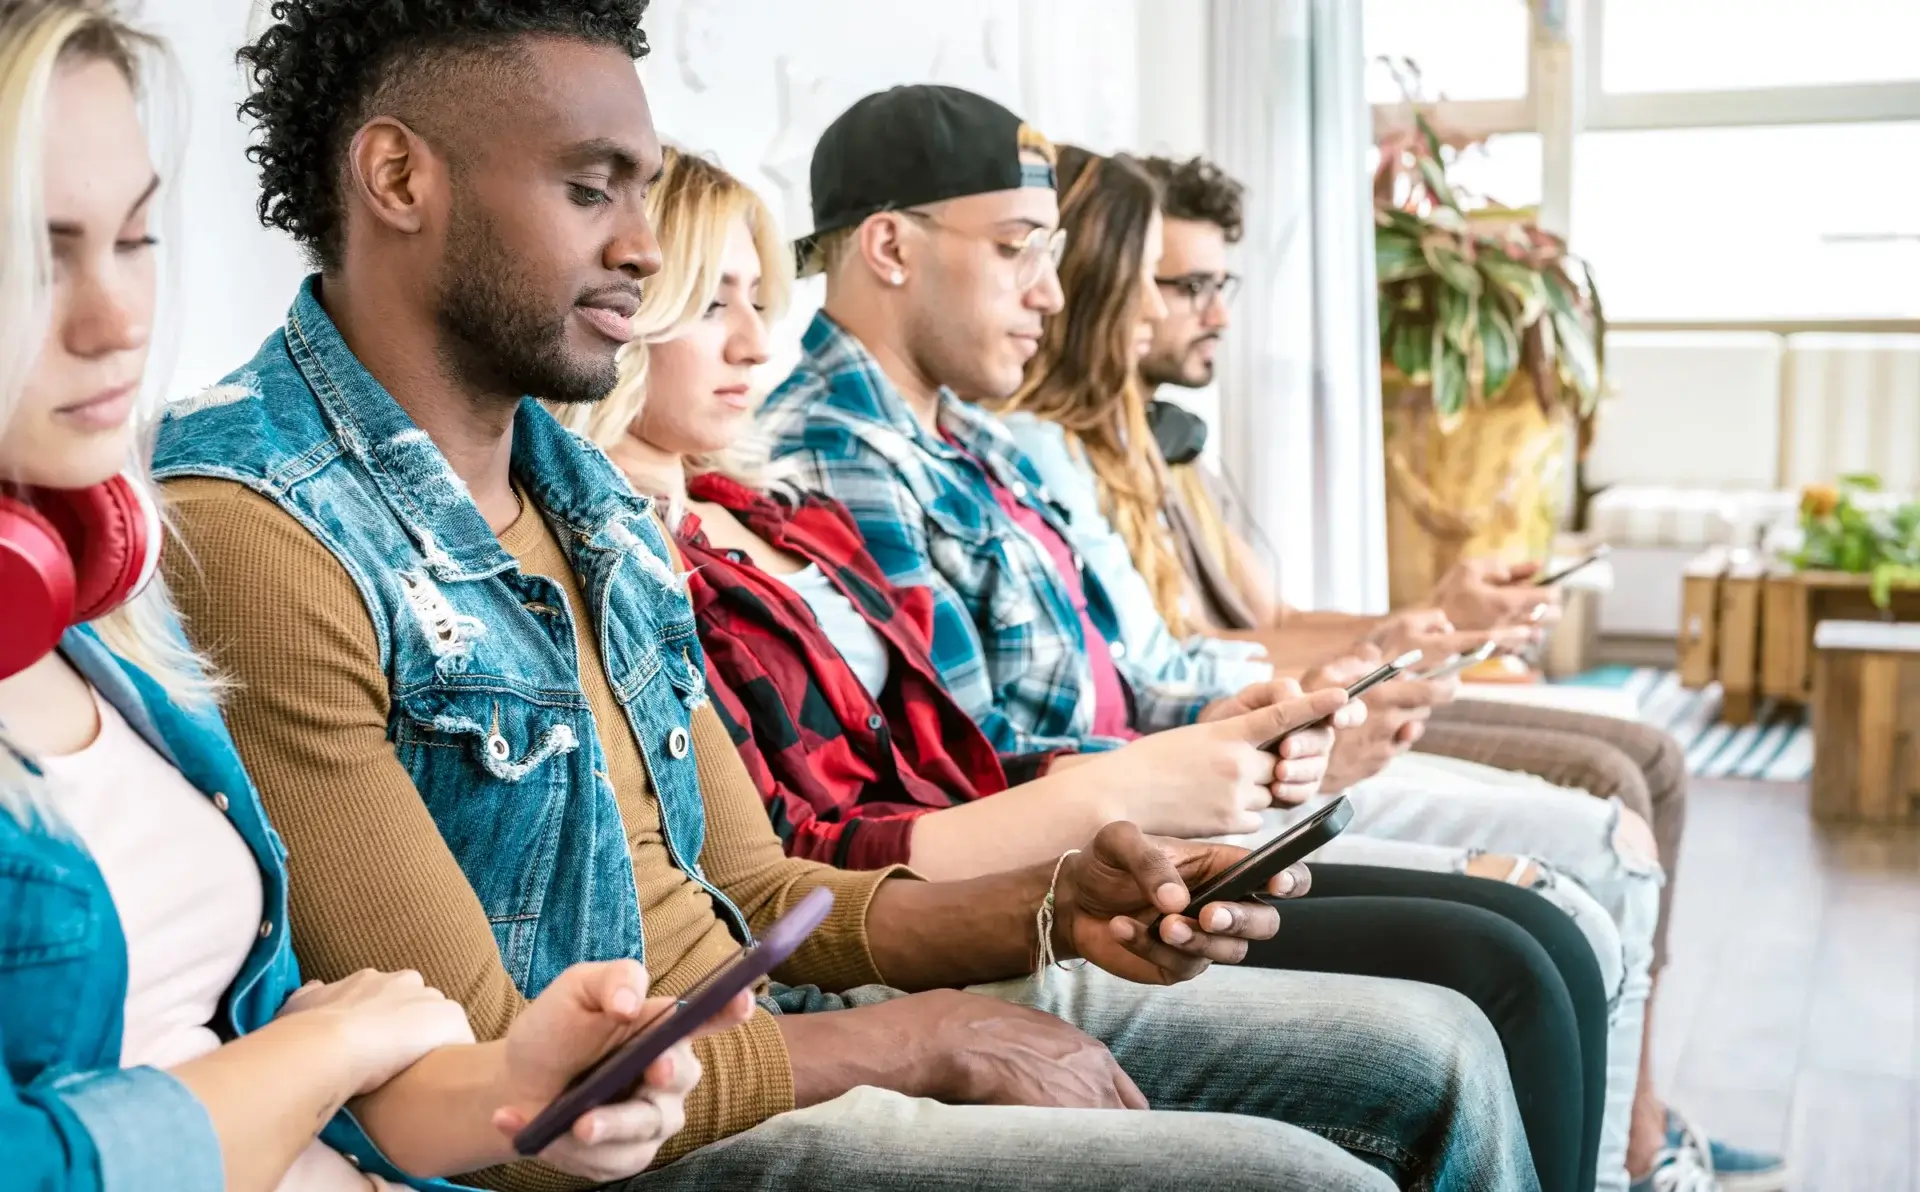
[{"x": 1437, "y": 814}]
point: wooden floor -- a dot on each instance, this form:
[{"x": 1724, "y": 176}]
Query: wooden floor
[{"x": 1789, "y": 1017}]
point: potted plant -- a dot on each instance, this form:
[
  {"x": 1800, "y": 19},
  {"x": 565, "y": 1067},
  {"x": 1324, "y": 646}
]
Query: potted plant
[
  {"x": 1492, "y": 360},
  {"x": 1841, "y": 532}
]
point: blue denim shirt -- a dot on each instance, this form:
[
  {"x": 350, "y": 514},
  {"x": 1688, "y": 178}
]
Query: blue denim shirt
[
  {"x": 72, "y": 1118},
  {"x": 488, "y": 716}
]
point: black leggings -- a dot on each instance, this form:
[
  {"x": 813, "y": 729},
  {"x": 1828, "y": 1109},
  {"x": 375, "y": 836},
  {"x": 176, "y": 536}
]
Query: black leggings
[{"x": 1515, "y": 955}]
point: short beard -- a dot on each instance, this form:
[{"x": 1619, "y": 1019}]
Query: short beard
[
  {"x": 498, "y": 339},
  {"x": 1158, "y": 370}
]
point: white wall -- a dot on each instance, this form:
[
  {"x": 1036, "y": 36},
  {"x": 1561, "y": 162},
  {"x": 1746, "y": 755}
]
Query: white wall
[
  {"x": 236, "y": 278},
  {"x": 751, "y": 82}
]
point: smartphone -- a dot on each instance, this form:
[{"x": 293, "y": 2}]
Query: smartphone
[
  {"x": 1359, "y": 686},
  {"x": 1546, "y": 581},
  {"x": 623, "y": 1067},
  {"x": 1460, "y": 662},
  {"x": 1248, "y": 877}
]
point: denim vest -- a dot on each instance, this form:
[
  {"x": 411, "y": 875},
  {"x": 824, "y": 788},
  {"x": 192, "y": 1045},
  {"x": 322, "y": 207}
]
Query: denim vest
[
  {"x": 71, "y": 1117},
  {"x": 487, "y": 714}
]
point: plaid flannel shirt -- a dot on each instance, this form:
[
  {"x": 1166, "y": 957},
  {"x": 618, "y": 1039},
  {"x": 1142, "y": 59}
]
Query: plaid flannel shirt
[
  {"x": 1006, "y": 637},
  {"x": 843, "y": 774}
]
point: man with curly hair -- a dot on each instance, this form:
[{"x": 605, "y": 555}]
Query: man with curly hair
[{"x": 471, "y": 692}]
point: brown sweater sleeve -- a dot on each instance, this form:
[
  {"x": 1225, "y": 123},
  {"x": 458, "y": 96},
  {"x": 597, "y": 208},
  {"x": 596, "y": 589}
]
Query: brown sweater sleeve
[
  {"x": 743, "y": 857},
  {"x": 373, "y": 885}
]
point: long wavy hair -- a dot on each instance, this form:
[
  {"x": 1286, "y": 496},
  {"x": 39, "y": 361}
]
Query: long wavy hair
[
  {"x": 1085, "y": 376},
  {"x": 37, "y": 39},
  {"x": 692, "y": 207}
]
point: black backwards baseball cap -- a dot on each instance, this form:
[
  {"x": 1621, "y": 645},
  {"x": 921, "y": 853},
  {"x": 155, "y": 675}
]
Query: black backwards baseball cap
[{"x": 912, "y": 145}]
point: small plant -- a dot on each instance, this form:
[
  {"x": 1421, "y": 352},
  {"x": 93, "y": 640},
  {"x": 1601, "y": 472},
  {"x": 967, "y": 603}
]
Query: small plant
[
  {"x": 1469, "y": 296},
  {"x": 1840, "y": 534}
]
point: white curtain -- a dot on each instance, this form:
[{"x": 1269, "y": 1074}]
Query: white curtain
[{"x": 1300, "y": 372}]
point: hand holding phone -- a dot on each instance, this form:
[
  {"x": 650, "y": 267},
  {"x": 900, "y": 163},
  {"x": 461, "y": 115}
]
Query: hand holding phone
[
  {"x": 1355, "y": 690},
  {"x": 1247, "y": 878},
  {"x": 623, "y": 1068},
  {"x": 1462, "y": 661},
  {"x": 1548, "y": 579}
]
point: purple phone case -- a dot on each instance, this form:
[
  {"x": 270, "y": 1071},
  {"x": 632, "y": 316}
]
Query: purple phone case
[{"x": 622, "y": 1068}]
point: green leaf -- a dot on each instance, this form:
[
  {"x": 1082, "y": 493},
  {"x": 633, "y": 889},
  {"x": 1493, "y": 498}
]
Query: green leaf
[
  {"x": 1577, "y": 362},
  {"x": 1451, "y": 265},
  {"x": 1499, "y": 341},
  {"x": 1449, "y": 388},
  {"x": 1397, "y": 258},
  {"x": 1412, "y": 351},
  {"x": 1866, "y": 482},
  {"x": 1435, "y": 176}
]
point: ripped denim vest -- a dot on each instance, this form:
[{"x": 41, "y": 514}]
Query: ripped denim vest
[{"x": 488, "y": 715}]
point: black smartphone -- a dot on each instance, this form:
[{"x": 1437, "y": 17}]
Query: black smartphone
[
  {"x": 1360, "y": 686},
  {"x": 1546, "y": 581},
  {"x": 1247, "y": 878},
  {"x": 623, "y": 1067}
]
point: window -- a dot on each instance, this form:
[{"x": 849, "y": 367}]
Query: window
[
  {"x": 1719, "y": 45},
  {"x": 1465, "y": 49},
  {"x": 1783, "y": 223},
  {"x": 1503, "y": 169},
  {"x": 1723, "y": 160}
]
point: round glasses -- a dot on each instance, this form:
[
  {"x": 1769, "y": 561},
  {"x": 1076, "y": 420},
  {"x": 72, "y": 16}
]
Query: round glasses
[
  {"x": 1038, "y": 250},
  {"x": 1200, "y": 290}
]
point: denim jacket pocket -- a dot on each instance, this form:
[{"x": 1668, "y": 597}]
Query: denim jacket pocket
[
  {"x": 48, "y": 936},
  {"x": 525, "y": 754}
]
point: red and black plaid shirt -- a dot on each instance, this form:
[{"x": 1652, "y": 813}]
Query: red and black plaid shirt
[{"x": 844, "y": 775}]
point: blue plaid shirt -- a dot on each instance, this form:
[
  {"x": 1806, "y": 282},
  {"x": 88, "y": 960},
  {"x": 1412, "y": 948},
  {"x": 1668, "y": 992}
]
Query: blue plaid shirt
[{"x": 1006, "y": 636}]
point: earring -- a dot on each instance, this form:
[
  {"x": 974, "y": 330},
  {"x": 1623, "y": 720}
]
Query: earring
[{"x": 897, "y": 278}]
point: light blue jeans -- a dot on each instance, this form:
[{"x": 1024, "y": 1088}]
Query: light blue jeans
[
  {"x": 1437, "y": 813},
  {"x": 1259, "y": 1079}
]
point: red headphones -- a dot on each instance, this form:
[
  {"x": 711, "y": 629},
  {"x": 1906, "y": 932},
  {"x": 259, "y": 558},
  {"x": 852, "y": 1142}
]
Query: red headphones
[{"x": 67, "y": 556}]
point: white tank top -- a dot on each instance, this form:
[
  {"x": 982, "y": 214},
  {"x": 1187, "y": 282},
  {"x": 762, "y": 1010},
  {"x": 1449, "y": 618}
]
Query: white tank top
[{"x": 188, "y": 894}]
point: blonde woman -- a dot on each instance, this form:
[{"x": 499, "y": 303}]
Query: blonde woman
[{"x": 154, "y": 1030}]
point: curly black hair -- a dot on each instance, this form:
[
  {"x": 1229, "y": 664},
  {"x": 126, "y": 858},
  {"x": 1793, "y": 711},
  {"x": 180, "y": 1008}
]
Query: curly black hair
[
  {"x": 323, "y": 64},
  {"x": 1198, "y": 190}
]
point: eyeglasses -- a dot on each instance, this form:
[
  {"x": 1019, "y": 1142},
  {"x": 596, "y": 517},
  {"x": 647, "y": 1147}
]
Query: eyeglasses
[
  {"x": 1201, "y": 289},
  {"x": 1038, "y": 249}
]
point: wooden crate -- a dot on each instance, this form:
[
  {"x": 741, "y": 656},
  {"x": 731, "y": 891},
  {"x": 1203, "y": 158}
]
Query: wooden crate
[
  {"x": 1866, "y": 722},
  {"x": 1797, "y": 601},
  {"x": 1739, "y": 638},
  {"x": 1700, "y": 618}
]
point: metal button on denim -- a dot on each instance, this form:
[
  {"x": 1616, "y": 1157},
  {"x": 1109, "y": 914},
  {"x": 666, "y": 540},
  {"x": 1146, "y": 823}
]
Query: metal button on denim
[
  {"x": 677, "y": 742},
  {"x": 219, "y": 801},
  {"x": 497, "y": 748},
  {"x": 266, "y": 928}
]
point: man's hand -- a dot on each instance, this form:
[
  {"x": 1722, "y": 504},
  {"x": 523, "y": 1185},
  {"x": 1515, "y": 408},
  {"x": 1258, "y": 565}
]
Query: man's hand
[
  {"x": 1107, "y": 894},
  {"x": 960, "y": 1048},
  {"x": 1486, "y": 594}
]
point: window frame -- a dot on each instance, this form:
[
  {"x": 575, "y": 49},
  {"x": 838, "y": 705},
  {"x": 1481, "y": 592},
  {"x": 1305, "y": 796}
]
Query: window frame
[{"x": 1565, "y": 98}]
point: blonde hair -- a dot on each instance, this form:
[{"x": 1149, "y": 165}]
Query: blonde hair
[
  {"x": 37, "y": 38},
  {"x": 692, "y": 208},
  {"x": 1085, "y": 376}
]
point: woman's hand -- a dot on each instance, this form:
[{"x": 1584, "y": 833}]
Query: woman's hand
[
  {"x": 1212, "y": 778},
  {"x": 588, "y": 1011},
  {"x": 386, "y": 1021}
]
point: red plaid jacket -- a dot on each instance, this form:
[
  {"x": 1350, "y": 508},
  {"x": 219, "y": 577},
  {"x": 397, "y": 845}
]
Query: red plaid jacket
[{"x": 843, "y": 775}]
